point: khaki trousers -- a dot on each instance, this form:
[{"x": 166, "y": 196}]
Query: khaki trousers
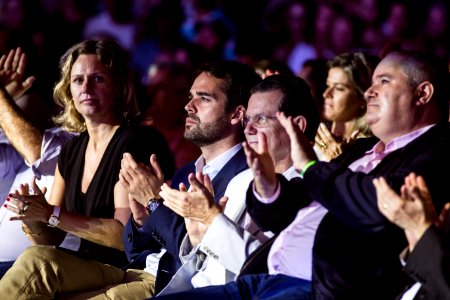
[{"x": 43, "y": 272}]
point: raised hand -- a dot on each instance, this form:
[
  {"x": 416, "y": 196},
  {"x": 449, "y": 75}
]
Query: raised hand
[
  {"x": 302, "y": 151},
  {"x": 332, "y": 146},
  {"x": 12, "y": 71},
  {"x": 197, "y": 206},
  {"x": 142, "y": 182},
  {"x": 262, "y": 166},
  {"x": 412, "y": 210}
]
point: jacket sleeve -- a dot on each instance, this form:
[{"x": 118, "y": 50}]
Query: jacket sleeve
[
  {"x": 279, "y": 214},
  {"x": 163, "y": 229},
  {"x": 429, "y": 264},
  {"x": 228, "y": 243}
]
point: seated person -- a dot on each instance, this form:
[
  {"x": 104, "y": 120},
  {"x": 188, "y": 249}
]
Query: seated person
[
  {"x": 353, "y": 229},
  {"x": 87, "y": 203},
  {"x": 216, "y": 107},
  {"x": 218, "y": 243}
]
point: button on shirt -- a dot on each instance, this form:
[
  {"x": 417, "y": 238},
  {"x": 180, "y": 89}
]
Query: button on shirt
[{"x": 291, "y": 253}]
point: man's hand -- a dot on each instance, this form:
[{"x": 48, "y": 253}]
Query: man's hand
[
  {"x": 143, "y": 182},
  {"x": 197, "y": 205},
  {"x": 412, "y": 210},
  {"x": 302, "y": 151},
  {"x": 261, "y": 164},
  {"x": 12, "y": 69}
]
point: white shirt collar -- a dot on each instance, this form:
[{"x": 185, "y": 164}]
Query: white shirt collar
[{"x": 214, "y": 166}]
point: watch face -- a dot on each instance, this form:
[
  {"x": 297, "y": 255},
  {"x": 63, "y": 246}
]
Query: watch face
[
  {"x": 154, "y": 205},
  {"x": 53, "y": 221}
]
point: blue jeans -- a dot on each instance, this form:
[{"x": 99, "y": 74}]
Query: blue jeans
[
  {"x": 255, "y": 286},
  {"x": 4, "y": 267}
]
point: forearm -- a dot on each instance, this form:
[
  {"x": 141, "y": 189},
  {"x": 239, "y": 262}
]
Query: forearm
[
  {"x": 22, "y": 134},
  {"x": 106, "y": 232},
  {"x": 40, "y": 234}
]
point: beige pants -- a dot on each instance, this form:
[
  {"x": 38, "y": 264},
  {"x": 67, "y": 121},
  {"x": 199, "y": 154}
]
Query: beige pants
[{"x": 43, "y": 272}]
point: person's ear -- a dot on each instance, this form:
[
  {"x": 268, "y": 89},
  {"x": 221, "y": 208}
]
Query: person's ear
[
  {"x": 237, "y": 115},
  {"x": 301, "y": 122},
  {"x": 424, "y": 92}
]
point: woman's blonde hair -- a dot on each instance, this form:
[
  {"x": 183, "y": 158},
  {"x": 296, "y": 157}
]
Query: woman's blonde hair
[{"x": 115, "y": 59}]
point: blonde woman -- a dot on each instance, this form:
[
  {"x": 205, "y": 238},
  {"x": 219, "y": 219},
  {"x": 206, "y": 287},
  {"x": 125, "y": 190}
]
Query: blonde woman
[
  {"x": 349, "y": 75},
  {"x": 88, "y": 206}
]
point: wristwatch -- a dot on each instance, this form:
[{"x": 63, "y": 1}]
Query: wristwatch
[
  {"x": 153, "y": 204},
  {"x": 53, "y": 221}
]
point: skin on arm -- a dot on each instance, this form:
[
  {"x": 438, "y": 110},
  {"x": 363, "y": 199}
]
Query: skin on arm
[
  {"x": 412, "y": 210},
  {"x": 142, "y": 182},
  {"x": 23, "y": 135}
]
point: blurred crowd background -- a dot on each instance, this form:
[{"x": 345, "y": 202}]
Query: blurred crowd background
[{"x": 289, "y": 34}]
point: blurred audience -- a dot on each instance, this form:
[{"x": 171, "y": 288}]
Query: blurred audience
[{"x": 168, "y": 93}]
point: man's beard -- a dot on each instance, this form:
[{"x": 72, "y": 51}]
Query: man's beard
[{"x": 207, "y": 133}]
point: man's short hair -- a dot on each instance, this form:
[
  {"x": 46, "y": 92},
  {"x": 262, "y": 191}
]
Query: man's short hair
[
  {"x": 239, "y": 79},
  {"x": 422, "y": 66},
  {"x": 297, "y": 99}
]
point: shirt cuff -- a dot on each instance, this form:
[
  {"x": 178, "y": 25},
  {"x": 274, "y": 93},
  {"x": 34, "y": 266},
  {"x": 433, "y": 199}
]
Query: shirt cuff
[{"x": 267, "y": 200}]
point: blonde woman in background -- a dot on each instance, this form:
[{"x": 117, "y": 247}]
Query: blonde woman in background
[{"x": 349, "y": 75}]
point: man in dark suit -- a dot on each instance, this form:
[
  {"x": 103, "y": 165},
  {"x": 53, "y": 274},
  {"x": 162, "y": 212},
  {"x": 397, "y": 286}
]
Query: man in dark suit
[
  {"x": 218, "y": 97},
  {"x": 427, "y": 257},
  {"x": 355, "y": 254}
]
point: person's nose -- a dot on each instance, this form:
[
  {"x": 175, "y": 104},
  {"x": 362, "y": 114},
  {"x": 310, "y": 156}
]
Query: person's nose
[
  {"x": 249, "y": 129},
  {"x": 87, "y": 85},
  {"x": 327, "y": 92},
  {"x": 190, "y": 107},
  {"x": 369, "y": 93}
]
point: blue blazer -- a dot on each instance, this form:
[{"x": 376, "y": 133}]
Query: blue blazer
[{"x": 167, "y": 229}]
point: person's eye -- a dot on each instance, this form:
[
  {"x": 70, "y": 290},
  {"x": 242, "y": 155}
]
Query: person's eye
[
  {"x": 77, "y": 80},
  {"x": 261, "y": 120},
  {"x": 99, "y": 78}
]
